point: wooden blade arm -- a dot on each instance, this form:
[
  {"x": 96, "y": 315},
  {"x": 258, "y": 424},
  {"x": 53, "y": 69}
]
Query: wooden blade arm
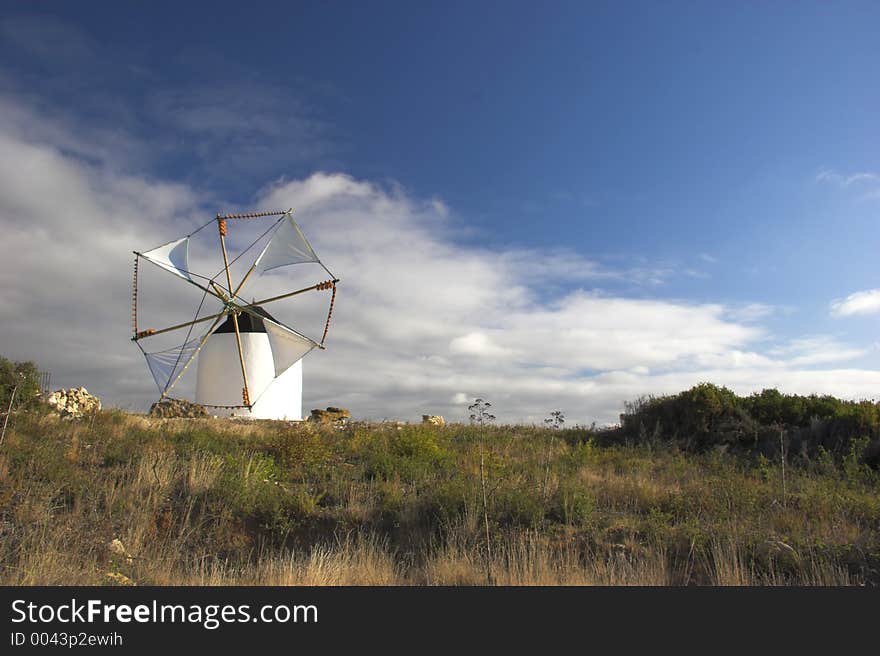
[
  {"x": 192, "y": 357},
  {"x": 150, "y": 332},
  {"x": 298, "y": 291}
]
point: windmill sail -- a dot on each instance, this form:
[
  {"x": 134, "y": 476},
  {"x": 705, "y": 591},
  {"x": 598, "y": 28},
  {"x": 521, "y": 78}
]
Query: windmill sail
[
  {"x": 287, "y": 246},
  {"x": 288, "y": 346},
  {"x": 173, "y": 257},
  {"x": 251, "y": 364},
  {"x": 165, "y": 365}
]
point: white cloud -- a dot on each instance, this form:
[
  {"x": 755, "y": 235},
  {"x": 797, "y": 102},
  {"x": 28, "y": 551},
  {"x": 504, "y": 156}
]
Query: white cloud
[
  {"x": 68, "y": 231},
  {"x": 864, "y": 302},
  {"x": 866, "y": 180},
  {"x": 818, "y": 349},
  {"x": 846, "y": 180},
  {"x": 425, "y": 320},
  {"x": 751, "y": 312},
  {"x": 478, "y": 344},
  {"x": 860, "y": 177}
]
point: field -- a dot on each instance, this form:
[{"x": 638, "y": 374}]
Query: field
[{"x": 207, "y": 502}]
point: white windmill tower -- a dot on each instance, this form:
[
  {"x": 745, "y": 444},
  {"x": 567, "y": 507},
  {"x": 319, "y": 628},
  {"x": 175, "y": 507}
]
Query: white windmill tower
[{"x": 249, "y": 363}]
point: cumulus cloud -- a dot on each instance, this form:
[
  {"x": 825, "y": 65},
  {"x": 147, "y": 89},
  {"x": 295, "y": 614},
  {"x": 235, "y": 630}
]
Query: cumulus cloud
[
  {"x": 68, "y": 231},
  {"x": 479, "y": 345},
  {"x": 864, "y": 302},
  {"x": 751, "y": 312},
  {"x": 425, "y": 319},
  {"x": 818, "y": 349}
]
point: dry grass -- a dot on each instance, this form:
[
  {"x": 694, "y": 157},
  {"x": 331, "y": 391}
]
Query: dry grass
[
  {"x": 207, "y": 502},
  {"x": 525, "y": 559}
]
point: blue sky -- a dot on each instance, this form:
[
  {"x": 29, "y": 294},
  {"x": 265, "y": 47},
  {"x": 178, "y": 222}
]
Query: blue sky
[{"x": 687, "y": 153}]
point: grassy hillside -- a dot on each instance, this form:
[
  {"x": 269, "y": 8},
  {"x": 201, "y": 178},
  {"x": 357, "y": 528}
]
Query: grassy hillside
[{"x": 217, "y": 502}]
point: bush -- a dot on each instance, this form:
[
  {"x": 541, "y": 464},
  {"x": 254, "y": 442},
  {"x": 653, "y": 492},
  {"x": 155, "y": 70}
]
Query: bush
[
  {"x": 518, "y": 507},
  {"x": 24, "y": 376},
  {"x": 572, "y": 505},
  {"x": 448, "y": 500},
  {"x": 412, "y": 453},
  {"x": 707, "y": 416},
  {"x": 693, "y": 413},
  {"x": 772, "y": 407}
]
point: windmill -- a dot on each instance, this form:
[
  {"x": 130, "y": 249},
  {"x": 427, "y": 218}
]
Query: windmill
[{"x": 249, "y": 362}]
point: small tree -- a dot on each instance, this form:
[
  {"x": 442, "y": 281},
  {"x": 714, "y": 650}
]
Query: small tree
[
  {"x": 480, "y": 416},
  {"x": 554, "y": 421},
  {"x": 22, "y": 375},
  {"x": 19, "y": 388}
]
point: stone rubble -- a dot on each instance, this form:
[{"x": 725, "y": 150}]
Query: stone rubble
[
  {"x": 74, "y": 403},
  {"x": 170, "y": 408},
  {"x": 331, "y": 415}
]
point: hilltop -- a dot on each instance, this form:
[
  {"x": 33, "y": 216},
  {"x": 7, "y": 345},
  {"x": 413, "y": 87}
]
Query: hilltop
[{"x": 123, "y": 498}]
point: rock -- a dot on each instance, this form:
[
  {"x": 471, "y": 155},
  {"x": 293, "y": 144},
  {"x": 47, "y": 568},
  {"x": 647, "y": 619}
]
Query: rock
[
  {"x": 433, "y": 420},
  {"x": 118, "y": 549},
  {"x": 170, "y": 408},
  {"x": 331, "y": 415},
  {"x": 74, "y": 403}
]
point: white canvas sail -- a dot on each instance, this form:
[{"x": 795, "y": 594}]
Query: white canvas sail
[
  {"x": 164, "y": 365},
  {"x": 287, "y": 246},
  {"x": 288, "y": 346},
  {"x": 173, "y": 257}
]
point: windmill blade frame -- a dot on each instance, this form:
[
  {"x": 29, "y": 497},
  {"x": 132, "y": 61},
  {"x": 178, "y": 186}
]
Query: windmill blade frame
[{"x": 286, "y": 246}]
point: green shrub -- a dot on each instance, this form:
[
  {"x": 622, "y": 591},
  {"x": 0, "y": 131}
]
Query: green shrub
[
  {"x": 411, "y": 454},
  {"x": 694, "y": 412},
  {"x": 301, "y": 451},
  {"x": 854, "y": 469},
  {"x": 250, "y": 482},
  {"x": 518, "y": 507},
  {"x": 706, "y": 416},
  {"x": 21, "y": 375},
  {"x": 572, "y": 505},
  {"x": 764, "y": 469},
  {"x": 448, "y": 500},
  {"x": 580, "y": 455}
]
